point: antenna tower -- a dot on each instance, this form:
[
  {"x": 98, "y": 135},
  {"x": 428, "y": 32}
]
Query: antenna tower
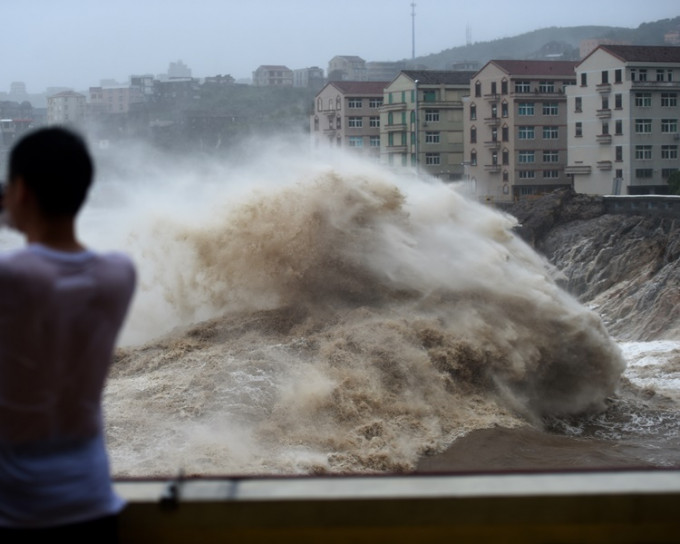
[
  {"x": 468, "y": 35},
  {"x": 413, "y": 30}
]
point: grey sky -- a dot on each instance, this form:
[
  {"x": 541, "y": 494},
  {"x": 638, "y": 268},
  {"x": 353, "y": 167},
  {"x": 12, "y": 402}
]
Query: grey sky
[{"x": 76, "y": 43}]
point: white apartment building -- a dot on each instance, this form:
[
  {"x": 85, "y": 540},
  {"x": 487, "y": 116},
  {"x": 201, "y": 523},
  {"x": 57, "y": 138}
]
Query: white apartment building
[
  {"x": 67, "y": 107},
  {"x": 623, "y": 121}
]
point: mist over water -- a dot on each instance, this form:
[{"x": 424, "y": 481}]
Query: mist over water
[{"x": 315, "y": 312}]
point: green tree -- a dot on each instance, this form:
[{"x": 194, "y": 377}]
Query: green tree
[{"x": 674, "y": 183}]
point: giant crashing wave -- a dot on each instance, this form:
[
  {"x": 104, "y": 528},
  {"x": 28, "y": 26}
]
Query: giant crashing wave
[{"x": 345, "y": 323}]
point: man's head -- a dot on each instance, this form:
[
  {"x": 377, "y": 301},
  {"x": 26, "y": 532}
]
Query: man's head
[{"x": 55, "y": 166}]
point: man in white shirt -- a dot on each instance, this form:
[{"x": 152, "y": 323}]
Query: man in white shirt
[{"x": 61, "y": 309}]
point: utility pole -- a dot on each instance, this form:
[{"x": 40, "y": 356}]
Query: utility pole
[{"x": 413, "y": 30}]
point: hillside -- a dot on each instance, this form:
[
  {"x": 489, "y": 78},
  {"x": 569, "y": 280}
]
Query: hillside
[{"x": 562, "y": 41}]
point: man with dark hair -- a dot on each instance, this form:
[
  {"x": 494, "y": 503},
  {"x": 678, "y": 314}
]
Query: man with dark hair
[{"x": 61, "y": 309}]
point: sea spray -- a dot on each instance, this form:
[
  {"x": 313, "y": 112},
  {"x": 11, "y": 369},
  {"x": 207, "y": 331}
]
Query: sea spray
[{"x": 328, "y": 315}]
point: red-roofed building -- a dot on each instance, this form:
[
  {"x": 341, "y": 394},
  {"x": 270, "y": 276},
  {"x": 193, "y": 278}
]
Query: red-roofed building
[
  {"x": 347, "y": 114},
  {"x": 516, "y": 128}
]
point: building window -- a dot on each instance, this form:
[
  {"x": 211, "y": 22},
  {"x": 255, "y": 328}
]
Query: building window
[
  {"x": 522, "y": 87},
  {"x": 430, "y": 95},
  {"x": 605, "y": 77},
  {"x": 338, "y": 122},
  {"x": 505, "y": 133},
  {"x": 478, "y": 88},
  {"x": 667, "y": 172},
  {"x": 432, "y": 116},
  {"x": 605, "y": 127},
  {"x": 546, "y": 87},
  {"x": 473, "y": 158},
  {"x": 644, "y": 173},
  {"x": 432, "y": 137},
  {"x": 354, "y": 103},
  {"x": 432, "y": 158},
  {"x": 551, "y": 174},
  {"x": 494, "y": 158},
  {"x": 584, "y": 79},
  {"x": 354, "y": 122},
  {"x": 374, "y": 122},
  {"x": 525, "y": 108},
  {"x": 356, "y": 141},
  {"x": 605, "y": 103},
  {"x": 578, "y": 104},
  {"x": 504, "y": 109},
  {"x": 505, "y": 157},
  {"x": 578, "y": 130},
  {"x": 526, "y": 174},
  {"x": 619, "y": 174},
  {"x": 374, "y": 141},
  {"x": 473, "y": 112},
  {"x": 669, "y": 100},
  {"x": 526, "y": 133},
  {"x": 551, "y": 156},
  {"x": 669, "y": 126},
  {"x": 473, "y": 135},
  {"x": 619, "y": 153},
  {"x": 618, "y": 75},
  {"x": 506, "y": 177},
  {"x": 375, "y": 102},
  {"x": 643, "y": 152},
  {"x": 618, "y": 101},
  {"x": 550, "y": 108},
  {"x": 618, "y": 124},
  {"x": 642, "y": 74},
  {"x": 504, "y": 86},
  {"x": 525, "y": 157},
  {"x": 643, "y": 126},
  {"x": 643, "y": 100},
  {"x": 669, "y": 151},
  {"x": 550, "y": 133}
]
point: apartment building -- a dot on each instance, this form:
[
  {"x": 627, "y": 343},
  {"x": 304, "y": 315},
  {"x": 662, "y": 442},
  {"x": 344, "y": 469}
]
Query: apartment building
[
  {"x": 67, "y": 107},
  {"x": 421, "y": 122},
  {"x": 273, "y": 76},
  {"x": 516, "y": 128},
  {"x": 623, "y": 120},
  {"x": 347, "y": 68},
  {"x": 114, "y": 98},
  {"x": 347, "y": 114}
]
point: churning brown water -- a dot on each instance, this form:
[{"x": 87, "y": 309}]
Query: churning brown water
[{"x": 328, "y": 316}]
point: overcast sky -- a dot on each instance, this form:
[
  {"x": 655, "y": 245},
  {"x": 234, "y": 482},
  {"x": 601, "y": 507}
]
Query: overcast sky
[{"x": 77, "y": 43}]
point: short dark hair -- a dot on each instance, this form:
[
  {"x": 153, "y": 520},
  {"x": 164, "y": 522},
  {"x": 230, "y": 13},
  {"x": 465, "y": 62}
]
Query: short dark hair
[{"x": 56, "y": 165}]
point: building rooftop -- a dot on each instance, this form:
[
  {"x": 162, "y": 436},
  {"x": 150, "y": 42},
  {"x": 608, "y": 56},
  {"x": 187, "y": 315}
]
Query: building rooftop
[
  {"x": 536, "y": 67},
  {"x": 644, "y": 53},
  {"x": 438, "y": 77},
  {"x": 360, "y": 87}
]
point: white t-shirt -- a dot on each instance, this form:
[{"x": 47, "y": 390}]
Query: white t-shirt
[{"x": 60, "y": 316}]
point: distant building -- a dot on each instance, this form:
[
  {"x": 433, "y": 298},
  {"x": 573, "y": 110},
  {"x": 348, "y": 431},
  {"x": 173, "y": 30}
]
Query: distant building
[
  {"x": 347, "y": 68},
  {"x": 66, "y": 108},
  {"x": 312, "y": 78},
  {"x": 178, "y": 70},
  {"x": 515, "y": 128},
  {"x": 672, "y": 37},
  {"x": 587, "y": 46},
  {"x": 421, "y": 122},
  {"x": 347, "y": 114},
  {"x": 623, "y": 120},
  {"x": 386, "y": 71},
  {"x": 273, "y": 76},
  {"x": 114, "y": 99}
]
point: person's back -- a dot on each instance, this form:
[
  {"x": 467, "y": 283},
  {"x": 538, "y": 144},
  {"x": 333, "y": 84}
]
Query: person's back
[{"x": 61, "y": 309}]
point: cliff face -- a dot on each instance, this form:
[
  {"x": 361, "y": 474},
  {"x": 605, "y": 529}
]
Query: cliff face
[{"x": 625, "y": 267}]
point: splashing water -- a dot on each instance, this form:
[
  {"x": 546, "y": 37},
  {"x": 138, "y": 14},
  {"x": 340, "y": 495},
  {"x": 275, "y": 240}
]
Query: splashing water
[{"x": 327, "y": 315}]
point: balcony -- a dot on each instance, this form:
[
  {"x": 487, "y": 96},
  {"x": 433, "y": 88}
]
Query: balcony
[
  {"x": 604, "y": 88},
  {"x": 492, "y": 97},
  {"x": 398, "y": 127},
  {"x": 604, "y": 114},
  {"x": 604, "y": 139},
  {"x": 492, "y": 121},
  {"x": 492, "y": 168},
  {"x": 492, "y": 144},
  {"x": 578, "y": 170},
  {"x": 604, "y": 165}
]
